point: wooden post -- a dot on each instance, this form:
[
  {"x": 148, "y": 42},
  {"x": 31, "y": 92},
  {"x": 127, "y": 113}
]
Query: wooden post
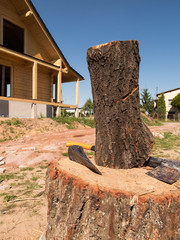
[
  {"x": 59, "y": 81},
  {"x": 77, "y": 92},
  {"x": 34, "y": 81},
  {"x": 77, "y": 99}
]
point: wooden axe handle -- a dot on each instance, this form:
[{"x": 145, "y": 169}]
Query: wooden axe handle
[{"x": 85, "y": 146}]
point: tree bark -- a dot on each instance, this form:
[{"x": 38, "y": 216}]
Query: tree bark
[
  {"x": 78, "y": 210},
  {"x": 122, "y": 139}
]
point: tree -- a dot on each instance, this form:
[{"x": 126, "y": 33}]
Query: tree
[
  {"x": 147, "y": 101},
  {"x": 88, "y": 106},
  {"x": 176, "y": 101},
  {"x": 161, "y": 107}
]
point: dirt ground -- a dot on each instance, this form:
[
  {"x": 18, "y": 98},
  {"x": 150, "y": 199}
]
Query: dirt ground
[{"x": 34, "y": 144}]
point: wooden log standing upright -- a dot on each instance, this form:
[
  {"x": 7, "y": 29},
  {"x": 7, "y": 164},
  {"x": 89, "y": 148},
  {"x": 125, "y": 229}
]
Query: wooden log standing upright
[{"x": 122, "y": 139}]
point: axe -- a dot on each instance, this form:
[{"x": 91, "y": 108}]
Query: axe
[{"x": 165, "y": 170}]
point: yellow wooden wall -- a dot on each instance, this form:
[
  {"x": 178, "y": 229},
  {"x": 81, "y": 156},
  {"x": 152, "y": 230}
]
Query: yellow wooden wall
[
  {"x": 44, "y": 85},
  {"x": 22, "y": 82},
  {"x": 32, "y": 42}
]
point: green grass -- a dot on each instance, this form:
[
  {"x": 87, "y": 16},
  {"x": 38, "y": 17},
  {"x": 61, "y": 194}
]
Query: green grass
[
  {"x": 91, "y": 153},
  {"x": 43, "y": 166},
  {"x": 168, "y": 142},
  {"x": 153, "y": 122},
  {"x": 70, "y": 121},
  {"x": 9, "y": 197},
  {"x": 10, "y": 122},
  {"x": 65, "y": 154},
  {"x": 27, "y": 169},
  {"x": 9, "y": 176},
  {"x": 162, "y": 145}
]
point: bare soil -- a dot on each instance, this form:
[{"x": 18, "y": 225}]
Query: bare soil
[{"x": 35, "y": 143}]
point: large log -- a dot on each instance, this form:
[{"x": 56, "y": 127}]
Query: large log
[
  {"x": 122, "y": 139},
  {"x": 122, "y": 204}
]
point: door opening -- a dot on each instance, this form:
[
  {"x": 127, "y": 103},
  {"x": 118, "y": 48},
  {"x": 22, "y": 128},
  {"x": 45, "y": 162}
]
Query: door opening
[{"x": 5, "y": 81}]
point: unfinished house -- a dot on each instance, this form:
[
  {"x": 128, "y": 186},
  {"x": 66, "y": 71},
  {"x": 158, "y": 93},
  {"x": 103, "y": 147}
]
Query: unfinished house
[{"x": 32, "y": 67}]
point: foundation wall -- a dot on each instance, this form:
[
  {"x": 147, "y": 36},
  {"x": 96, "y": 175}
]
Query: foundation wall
[{"x": 24, "y": 110}]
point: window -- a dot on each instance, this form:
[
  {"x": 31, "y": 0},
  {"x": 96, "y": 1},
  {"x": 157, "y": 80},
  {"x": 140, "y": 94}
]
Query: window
[
  {"x": 5, "y": 81},
  {"x": 13, "y": 36},
  {"x": 169, "y": 102}
]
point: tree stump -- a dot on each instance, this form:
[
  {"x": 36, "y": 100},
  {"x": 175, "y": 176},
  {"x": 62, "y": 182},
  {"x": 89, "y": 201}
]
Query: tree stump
[
  {"x": 122, "y": 204},
  {"x": 122, "y": 139}
]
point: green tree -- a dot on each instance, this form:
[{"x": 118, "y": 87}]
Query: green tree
[
  {"x": 88, "y": 106},
  {"x": 147, "y": 103},
  {"x": 161, "y": 107},
  {"x": 176, "y": 102}
]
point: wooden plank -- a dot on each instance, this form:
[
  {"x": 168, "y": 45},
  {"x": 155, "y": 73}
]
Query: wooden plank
[{"x": 38, "y": 102}]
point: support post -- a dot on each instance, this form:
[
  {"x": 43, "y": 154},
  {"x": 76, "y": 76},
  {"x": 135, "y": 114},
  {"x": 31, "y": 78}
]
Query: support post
[
  {"x": 59, "y": 81},
  {"x": 77, "y": 112},
  {"x": 34, "y": 110},
  {"x": 77, "y": 99},
  {"x": 34, "y": 81},
  {"x": 58, "y": 111},
  {"x": 77, "y": 92}
]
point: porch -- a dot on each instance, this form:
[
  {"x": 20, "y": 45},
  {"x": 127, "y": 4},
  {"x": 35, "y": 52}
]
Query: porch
[{"x": 32, "y": 81}]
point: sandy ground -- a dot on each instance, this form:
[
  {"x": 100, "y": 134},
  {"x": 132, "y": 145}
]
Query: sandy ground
[{"x": 41, "y": 142}]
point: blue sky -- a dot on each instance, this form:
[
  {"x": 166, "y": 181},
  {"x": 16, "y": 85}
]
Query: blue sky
[{"x": 77, "y": 25}]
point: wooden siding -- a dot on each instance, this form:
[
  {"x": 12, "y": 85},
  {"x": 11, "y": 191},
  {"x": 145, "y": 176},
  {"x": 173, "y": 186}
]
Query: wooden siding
[
  {"x": 44, "y": 85},
  {"x": 22, "y": 84}
]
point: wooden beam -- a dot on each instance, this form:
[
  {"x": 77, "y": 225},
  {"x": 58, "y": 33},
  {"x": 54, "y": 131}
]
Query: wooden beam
[
  {"x": 59, "y": 82},
  {"x": 77, "y": 92},
  {"x": 34, "y": 81},
  {"x": 28, "y": 58},
  {"x": 38, "y": 102},
  {"x": 28, "y": 14}
]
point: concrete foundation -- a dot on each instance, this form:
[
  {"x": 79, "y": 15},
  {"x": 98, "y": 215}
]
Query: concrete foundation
[
  {"x": 77, "y": 113},
  {"x": 24, "y": 110},
  {"x": 58, "y": 112}
]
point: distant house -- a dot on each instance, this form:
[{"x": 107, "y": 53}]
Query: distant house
[
  {"x": 171, "y": 112},
  {"x": 32, "y": 67}
]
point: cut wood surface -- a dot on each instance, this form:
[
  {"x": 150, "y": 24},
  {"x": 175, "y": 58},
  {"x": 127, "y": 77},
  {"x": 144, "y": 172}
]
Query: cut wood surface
[
  {"x": 122, "y": 139},
  {"x": 120, "y": 204}
]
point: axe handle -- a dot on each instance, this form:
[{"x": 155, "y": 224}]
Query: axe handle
[{"x": 85, "y": 146}]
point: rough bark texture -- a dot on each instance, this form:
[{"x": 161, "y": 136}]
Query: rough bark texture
[
  {"x": 122, "y": 139},
  {"x": 78, "y": 210}
]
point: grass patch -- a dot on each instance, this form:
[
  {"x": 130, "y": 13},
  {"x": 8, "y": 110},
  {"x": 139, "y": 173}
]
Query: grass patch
[
  {"x": 34, "y": 178},
  {"x": 70, "y": 121},
  {"x": 27, "y": 169},
  {"x": 168, "y": 142},
  {"x": 9, "y": 176},
  {"x": 91, "y": 153},
  {"x": 16, "y": 122},
  {"x": 43, "y": 166},
  {"x": 65, "y": 154},
  {"x": 151, "y": 122},
  {"x": 9, "y": 197}
]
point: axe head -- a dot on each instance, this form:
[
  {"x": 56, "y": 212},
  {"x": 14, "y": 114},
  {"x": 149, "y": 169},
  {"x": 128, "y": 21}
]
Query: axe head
[
  {"x": 165, "y": 174},
  {"x": 77, "y": 154}
]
